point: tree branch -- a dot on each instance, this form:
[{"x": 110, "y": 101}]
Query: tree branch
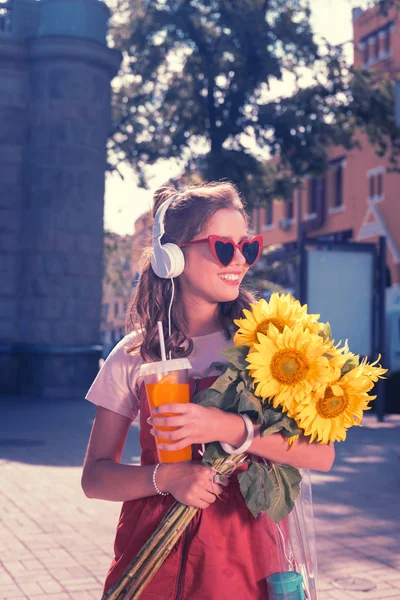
[{"x": 209, "y": 68}]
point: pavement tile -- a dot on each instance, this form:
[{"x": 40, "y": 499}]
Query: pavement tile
[{"x": 55, "y": 544}]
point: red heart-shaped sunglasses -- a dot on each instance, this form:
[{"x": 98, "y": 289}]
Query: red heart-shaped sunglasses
[{"x": 224, "y": 250}]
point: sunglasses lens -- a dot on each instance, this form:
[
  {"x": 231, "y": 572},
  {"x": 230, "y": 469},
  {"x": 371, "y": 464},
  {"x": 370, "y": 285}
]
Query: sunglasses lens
[
  {"x": 225, "y": 252},
  {"x": 250, "y": 251}
]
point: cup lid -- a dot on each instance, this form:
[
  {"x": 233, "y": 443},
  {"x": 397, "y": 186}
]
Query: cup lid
[
  {"x": 285, "y": 582},
  {"x": 164, "y": 366}
]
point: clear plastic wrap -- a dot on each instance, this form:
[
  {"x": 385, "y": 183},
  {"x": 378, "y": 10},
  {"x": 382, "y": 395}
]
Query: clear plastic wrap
[{"x": 296, "y": 543}]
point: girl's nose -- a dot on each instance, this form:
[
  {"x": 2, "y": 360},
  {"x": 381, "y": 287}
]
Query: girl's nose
[{"x": 238, "y": 258}]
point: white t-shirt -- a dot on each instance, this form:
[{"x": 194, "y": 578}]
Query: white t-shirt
[{"x": 117, "y": 384}]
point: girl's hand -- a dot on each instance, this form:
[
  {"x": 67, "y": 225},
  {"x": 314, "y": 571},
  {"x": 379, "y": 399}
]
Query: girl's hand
[
  {"x": 195, "y": 425},
  {"x": 191, "y": 483}
]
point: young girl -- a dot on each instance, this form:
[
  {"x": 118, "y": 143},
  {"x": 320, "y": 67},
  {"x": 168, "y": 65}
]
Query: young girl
[{"x": 225, "y": 553}]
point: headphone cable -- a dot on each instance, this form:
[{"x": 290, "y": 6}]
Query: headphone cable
[{"x": 169, "y": 312}]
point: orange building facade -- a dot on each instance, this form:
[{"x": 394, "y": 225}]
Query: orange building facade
[{"x": 358, "y": 199}]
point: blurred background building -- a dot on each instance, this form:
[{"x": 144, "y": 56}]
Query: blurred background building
[
  {"x": 357, "y": 200},
  {"x": 122, "y": 260}
]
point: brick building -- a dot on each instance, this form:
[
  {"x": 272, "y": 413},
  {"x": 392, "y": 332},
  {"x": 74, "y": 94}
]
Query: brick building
[{"x": 358, "y": 198}]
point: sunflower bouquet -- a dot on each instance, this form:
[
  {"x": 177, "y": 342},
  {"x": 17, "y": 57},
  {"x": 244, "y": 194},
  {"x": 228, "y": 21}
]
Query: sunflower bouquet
[{"x": 285, "y": 373}]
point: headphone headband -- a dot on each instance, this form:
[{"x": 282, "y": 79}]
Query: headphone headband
[
  {"x": 159, "y": 226},
  {"x": 167, "y": 261}
]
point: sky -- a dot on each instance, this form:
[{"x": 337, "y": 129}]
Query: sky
[{"x": 125, "y": 202}]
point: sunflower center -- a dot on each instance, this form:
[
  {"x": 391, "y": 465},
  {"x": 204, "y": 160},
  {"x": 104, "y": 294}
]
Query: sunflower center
[
  {"x": 289, "y": 366},
  {"x": 264, "y": 325},
  {"x": 331, "y": 406}
]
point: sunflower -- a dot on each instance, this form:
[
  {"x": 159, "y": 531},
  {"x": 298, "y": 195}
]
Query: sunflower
[
  {"x": 288, "y": 367},
  {"x": 345, "y": 399},
  {"x": 281, "y": 310}
]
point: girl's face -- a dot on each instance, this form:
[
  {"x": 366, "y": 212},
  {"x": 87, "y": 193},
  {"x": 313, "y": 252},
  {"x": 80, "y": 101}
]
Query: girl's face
[{"x": 204, "y": 276}]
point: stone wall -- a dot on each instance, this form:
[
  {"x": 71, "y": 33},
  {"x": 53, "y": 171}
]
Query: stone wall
[{"x": 54, "y": 123}]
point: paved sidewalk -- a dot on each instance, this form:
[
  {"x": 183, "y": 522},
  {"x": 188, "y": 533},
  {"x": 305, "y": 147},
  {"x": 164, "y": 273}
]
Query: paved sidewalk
[{"x": 55, "y": 544}]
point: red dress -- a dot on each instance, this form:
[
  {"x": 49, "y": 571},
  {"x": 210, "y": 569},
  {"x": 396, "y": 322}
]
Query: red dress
[{"x": 224, "y": 554}]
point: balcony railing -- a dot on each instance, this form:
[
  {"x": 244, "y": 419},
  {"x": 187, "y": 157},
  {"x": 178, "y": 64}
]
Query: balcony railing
[{"x": 5, "y": 17}]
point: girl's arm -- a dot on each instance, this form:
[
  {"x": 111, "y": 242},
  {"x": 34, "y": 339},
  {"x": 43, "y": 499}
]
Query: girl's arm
[
  {"x": 199, "y": 425},
  {"x": 105, "y": 478},
  {"x": 275, "y": 447}
]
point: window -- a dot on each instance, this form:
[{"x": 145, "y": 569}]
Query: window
[
  {"x": 388, "y": 40},
  {"x": 337, "y": 167},
  {"x": 270, "y": 214},
  {"x": 290, "y": 206},
  {"x": 372, "y": 186},
  {"x": 105, "y": 309},
  {"x": 338, "y": 197},
  {"x": 316, "y": 194},
  {"x": 377, "y": 45},
  {"x": 375, "y": 185},
  {"x": 379, "y": 184},
  {"x": 116, "y": 309},
  {"x": 313, "y": 196},
  {"x": 366, "y": 53}
]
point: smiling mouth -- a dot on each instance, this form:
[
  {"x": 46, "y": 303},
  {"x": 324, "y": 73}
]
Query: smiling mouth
[{"x": 231, "y": 277}]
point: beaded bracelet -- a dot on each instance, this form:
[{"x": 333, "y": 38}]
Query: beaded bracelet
[{"x": 155, "y": 483}]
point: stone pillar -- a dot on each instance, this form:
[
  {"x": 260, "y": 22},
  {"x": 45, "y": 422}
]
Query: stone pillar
[
  {"x": 14, "y": 102},
  {"x": 62, "y": 224}
]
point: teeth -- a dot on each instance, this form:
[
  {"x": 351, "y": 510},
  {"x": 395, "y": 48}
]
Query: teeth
[{"x": 230, "y": 277}]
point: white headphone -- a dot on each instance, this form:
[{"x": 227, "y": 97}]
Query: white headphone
[{"x": 167, "y": 260}]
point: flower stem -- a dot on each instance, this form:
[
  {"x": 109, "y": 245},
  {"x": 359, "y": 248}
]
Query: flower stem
[{"x": 158, "y": 547}]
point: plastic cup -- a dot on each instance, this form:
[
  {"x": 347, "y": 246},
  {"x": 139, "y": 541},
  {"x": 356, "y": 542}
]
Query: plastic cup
[
  {"x": 167, "y": 382},
  {"x": 287, "y": 585}
]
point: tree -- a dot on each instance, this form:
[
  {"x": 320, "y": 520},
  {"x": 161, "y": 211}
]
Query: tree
[{"x": 196, "y": 87}]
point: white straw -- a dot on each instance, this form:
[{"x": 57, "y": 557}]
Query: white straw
[{"x": 162, "y": 342}]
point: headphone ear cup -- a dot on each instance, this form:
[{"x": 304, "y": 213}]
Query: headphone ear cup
[{"x": 167, "y": 261}]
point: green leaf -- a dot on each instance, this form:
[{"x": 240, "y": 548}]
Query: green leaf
[
  {"x": 236, "y": 356},
  {"x": 250, "y": 405},
  {"x": 274, "y": 420},
  {"x": 207, "y": 398},
  {"x": 349, "y": 365},
  {"x": 213, "y": 452},
  {"x": 283, "y": 487},
  {"x": 246, "y": 378},
  {"x": 254, "y": 487},
  {"x": 224, "y": 381},
  {"x": 226, "y": 401},
  {"x": 218, "y": 366}
]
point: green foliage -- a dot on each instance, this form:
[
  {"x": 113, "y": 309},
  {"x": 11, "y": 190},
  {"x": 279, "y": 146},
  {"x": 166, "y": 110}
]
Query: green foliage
[
  {"x": 270, "y": 489},
  {"x": 254, "y": 488},
  {"x": 195, "y": 87},
  {"x": 236, "y": 356},
  {"x": 263, "y": 489},
  {"x": 213, "y": 452},
  {"x": 284, "y": 488}
]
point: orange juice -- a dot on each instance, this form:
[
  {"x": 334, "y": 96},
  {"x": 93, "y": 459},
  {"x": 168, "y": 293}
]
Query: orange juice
[{"x": 169, "y": 391}]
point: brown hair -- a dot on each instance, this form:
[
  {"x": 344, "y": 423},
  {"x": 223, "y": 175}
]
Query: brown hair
[{"x": 185, "y": 218}]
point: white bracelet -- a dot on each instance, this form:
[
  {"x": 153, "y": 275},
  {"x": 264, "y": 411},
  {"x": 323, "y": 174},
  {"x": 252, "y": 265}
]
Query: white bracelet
[
  {"x": 246, "y": 444},
  {"x": 155, "y": 483}
]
